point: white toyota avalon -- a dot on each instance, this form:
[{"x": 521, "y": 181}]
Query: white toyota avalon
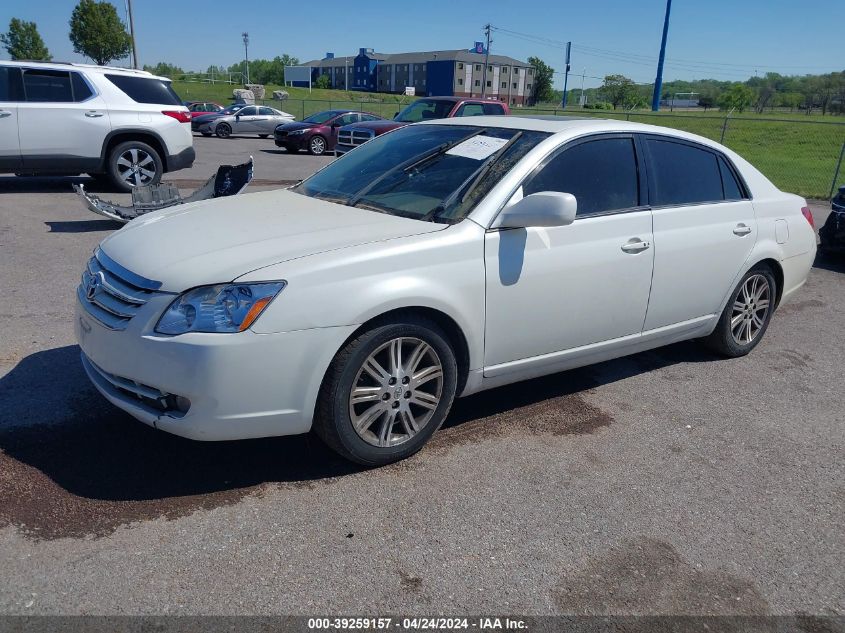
[{"x": 435, "y": 261}]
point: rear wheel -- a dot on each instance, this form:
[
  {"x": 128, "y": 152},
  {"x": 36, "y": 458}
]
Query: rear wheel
[
  {"x": 386, "y": 392},
  {"x": 223, "y": 130},
  {"x": 132, "y": 164},
  {"x": 746, "y": 317}
]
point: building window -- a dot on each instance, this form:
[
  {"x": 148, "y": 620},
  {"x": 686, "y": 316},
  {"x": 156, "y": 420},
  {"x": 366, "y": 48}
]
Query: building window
[
  {"x": 530, "y": 71},
  {"x": 489, "y": 83},
  {"x": 514, "y": 85},
  {"x": 504, "y": 84},
  {"x": 504, "y": 70},
  {"x": 477, "y": 82},
  {"x": 528, "y": 86},
  {"x": 489, "y": 69},
  {"x": 460, "y": 66},
  {"x": 460, "y": 81},
  {"x": 478, "y": 66},
  {"x": 515, "y": 70}
]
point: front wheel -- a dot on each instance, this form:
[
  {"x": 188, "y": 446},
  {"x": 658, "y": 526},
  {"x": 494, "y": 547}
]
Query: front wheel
[
  {"x": 223, "y": 130},
  {"x": 746, "y": 317},
  {"x": 386, "y": 392},
  {"x": 317, "y": 145}
]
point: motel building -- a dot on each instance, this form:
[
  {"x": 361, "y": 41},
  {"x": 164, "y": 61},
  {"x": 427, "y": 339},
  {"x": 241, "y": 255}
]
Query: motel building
[{"x": 457, "y": 73}]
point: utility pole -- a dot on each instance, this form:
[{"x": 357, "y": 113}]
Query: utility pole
[
  {"x": 132, "y": 34},
  {"x": 658, "y": 82},
  {"x": 245, "y": 35},
  {"x": 566, "y": 75},
  {"x": 581, "y": 97},
  {"x": 486, "y": 58}
]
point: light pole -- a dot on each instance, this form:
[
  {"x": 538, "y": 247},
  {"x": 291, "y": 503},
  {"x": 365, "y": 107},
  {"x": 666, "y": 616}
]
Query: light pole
[
  {"x": 246, "y": 54},
  {"x": 658, "y": 82},
  {"x": 132, "y": 34}
]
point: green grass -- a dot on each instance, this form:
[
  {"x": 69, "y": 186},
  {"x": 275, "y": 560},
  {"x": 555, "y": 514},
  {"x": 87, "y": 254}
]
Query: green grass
[{"x": 797, "y": 152}]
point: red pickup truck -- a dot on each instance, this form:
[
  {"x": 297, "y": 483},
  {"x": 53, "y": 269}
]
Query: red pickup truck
[{"x": 351, "y": 136}]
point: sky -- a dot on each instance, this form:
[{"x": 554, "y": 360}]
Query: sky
[{"x": 721, "y": 39}]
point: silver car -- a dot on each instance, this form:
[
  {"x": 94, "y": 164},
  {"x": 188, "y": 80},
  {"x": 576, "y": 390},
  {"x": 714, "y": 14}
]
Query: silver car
[{"x": 260, "y": 120}]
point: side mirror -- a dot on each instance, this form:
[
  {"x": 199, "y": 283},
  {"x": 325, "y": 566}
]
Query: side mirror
[
  {"x": 544, "y": 208},
  {"x": 395, "y": 114}
]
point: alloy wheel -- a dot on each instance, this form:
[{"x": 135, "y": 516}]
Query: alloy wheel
[
  {"x": 136, "y": 167},
  {"x": 396, "y": 392},
  {"x": 318, "y": 145},
  {"x": 750, "y": 310}
]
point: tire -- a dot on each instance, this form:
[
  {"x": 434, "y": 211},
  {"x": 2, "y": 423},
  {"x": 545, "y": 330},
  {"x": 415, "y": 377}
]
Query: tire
[
  {"x": 392, "y": 424},
  {"x": 317, "y": 146},
  {"x": 134, "y": 163},
  {"x": 745, "y": 319},
  {"x": 223, "y": 130},
  {"x": 263, "y": 135}
]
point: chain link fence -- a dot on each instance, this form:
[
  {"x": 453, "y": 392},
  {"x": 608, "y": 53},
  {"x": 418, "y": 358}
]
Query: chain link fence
[{"x": 801, "y": 157}]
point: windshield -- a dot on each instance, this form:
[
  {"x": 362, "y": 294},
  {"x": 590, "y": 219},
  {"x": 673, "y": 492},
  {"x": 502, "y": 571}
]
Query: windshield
[
  {"x": 425, "y": 172},
  {"x": 424, "y": 109},
  {"x": 321, "y": 117}
]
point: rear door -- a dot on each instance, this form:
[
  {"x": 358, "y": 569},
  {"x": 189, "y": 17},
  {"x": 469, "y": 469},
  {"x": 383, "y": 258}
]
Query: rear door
[
  {"x": 62, "y": 123},
  {"x": 11, "y": 93},
  {"x": 704, "y": 229}
]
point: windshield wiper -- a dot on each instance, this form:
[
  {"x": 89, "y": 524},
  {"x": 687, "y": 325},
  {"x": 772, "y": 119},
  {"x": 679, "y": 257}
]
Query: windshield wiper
[
  {"x": 468, "y": 185},
  {"x": 409, "y": 164}
]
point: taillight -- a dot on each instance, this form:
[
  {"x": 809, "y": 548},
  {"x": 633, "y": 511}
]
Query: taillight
[
  {"x": 179, "y": 115},
  {"x": 809, "y": 215}
]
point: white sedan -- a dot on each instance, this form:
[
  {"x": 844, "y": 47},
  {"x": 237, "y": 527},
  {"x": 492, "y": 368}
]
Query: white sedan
[
  {"x": 436, "y": 261},
  {"x": 260, "y": 120}
]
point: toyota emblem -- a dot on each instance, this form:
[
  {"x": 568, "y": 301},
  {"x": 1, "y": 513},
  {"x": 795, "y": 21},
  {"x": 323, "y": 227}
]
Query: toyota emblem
[{"x": 94, "y": 285}]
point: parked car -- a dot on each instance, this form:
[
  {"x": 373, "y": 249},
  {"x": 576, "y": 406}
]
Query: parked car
[
  {"x": 832, "y": 233},
  {"x": 351, "y": 136},
  {"x": 437, "y": 261},
  {"x": 128, "y": 125},
  {"x": 250, "y": 119},
  {"x": 203, "y": 107},
  {"x": 202, "y": 122},
  {"x": 318, "y": 133}
]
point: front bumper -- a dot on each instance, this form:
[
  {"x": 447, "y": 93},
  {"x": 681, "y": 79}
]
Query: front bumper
[
  {"x": 340, "y": 150},
  {"x": 239, "y": 386},
  {"x": 298, "y": 141}
]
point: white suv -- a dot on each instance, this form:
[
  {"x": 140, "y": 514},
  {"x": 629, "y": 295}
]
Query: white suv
[{"x": 57, "y": 118}]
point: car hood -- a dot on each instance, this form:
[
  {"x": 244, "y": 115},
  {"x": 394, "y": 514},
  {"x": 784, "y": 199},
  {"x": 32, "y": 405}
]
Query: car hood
[
  {"x": 298, "y": 125},
  {"x": 216, "y": 241},
  {"x": 378, "y": 126}
]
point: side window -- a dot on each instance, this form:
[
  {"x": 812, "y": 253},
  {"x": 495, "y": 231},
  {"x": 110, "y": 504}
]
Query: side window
[
  {"x": 47, "y": 86},
  {"x": 81, "y": 90},
  {"x": 247, "y": 111},
  {"x": 493, "y": 108},
  {"x": 730, "y": 186},
  {"x": 266, "y": 111},
  {"x": 470, "y": 109},
  {"x": 601, "y": 174},
  {"x": 11, "y": 86},
  {"x": 683, "y": 174},
  {"x": 369, "y": 117},
  {"x": 346, "y": 119}
]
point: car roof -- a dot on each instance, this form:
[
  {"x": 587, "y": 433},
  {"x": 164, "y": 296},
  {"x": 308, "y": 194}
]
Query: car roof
[
  {"x": 89, "y": 67},
  {"x": 571, "y": 125}
]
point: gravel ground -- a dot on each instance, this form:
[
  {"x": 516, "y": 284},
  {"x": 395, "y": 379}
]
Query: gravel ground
[{"x": 667, "y": 482}]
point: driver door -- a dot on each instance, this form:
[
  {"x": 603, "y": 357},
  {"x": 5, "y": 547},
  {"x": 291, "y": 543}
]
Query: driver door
[
  {"x": 553, "y": 289},
  {"x": 245, "y": 120}
]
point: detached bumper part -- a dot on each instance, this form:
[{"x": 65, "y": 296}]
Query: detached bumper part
[{"x": 229, "y": 180}]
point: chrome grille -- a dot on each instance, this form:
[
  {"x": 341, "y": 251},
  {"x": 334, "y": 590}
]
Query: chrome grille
[
  {"x": 111, "y": 294},
  {"x": 354, "y": 137}
]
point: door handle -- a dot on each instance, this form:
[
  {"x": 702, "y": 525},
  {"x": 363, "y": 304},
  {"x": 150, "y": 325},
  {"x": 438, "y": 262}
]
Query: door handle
[
  {"x": 4, "y": 114},
  {"x": 635, "y": 245},
  {"x": 93, "y": 114},
  {"x": 742, "y": 229}
]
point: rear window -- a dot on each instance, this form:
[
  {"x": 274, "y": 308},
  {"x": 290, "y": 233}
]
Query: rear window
[
  {"x": 683, "y": 174},
  {"x": 146, "y": 89},
  {"x": 493, "y": 108}
]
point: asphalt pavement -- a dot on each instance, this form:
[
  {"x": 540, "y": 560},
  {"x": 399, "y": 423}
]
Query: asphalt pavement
[{"x": 670, "y": 482}]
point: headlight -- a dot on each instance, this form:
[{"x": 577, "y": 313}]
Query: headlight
[
  {"x": 220, "y": 308},
  {"x": 297, "y": 132}
]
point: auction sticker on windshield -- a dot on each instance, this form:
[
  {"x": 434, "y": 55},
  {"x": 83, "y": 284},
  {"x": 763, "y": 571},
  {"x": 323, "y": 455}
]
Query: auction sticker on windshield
[{"x": 478, "y": 147}]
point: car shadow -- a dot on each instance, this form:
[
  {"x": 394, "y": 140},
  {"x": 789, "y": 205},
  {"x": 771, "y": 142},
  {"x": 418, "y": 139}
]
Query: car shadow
[
  {"x": 833, "y": 262},
  {"x": 83, "y": 226},
  {"x": 52, "y": 184}
]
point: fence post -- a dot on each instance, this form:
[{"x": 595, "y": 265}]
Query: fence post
[
  {"x": 724, "y": 128},
  {"x": 836, "y": 173},
  {"x": 302, "y": 102}
]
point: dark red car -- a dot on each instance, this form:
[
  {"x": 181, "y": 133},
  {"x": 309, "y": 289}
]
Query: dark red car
[
  {"x": 352, "y": 136},
  {"x": 318, "y": 133}
]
